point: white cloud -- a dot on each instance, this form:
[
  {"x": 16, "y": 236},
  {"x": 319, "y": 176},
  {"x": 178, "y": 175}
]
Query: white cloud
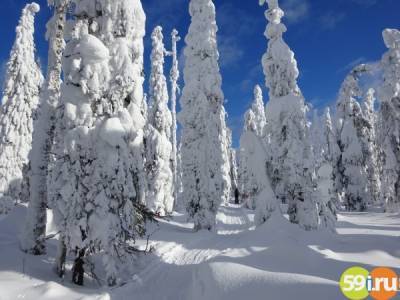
[
  {"x": 296, "y": 10},
  {"x": 354, "y": 63},
  {"x": 252, "y": 78},
  {"x": 331, "y": 19},
  {"x": 230, "y": 34},
  {"x": 230, "y": 51}
]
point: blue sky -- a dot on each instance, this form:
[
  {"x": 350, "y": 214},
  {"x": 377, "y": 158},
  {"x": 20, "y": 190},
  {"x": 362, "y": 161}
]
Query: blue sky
[{"x": 328, "y": 38}]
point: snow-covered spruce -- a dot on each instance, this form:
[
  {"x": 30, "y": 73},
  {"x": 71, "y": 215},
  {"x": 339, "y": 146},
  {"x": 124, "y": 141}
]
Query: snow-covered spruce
[
  {"x": 73, "y": 170},
  {"x": 233, "y": 172},
  {"x": 316, "y": 138},
  {"x": 373, "y": 163},
  {"x": 290, "y": 162},
  {"x": 95, "y": 185},
  {"x": 20, "y": 99},
  {"x": 324, "y": 149},
  {"x": 205, "y": 163},
  {"x": 254, "y": 124},
  {"x": 255, "y": 186},
  {"x": 258, "y": 108},
  {"x": 389, "y": 136},
  {"x": 329, "y": 147},
  {"x": 32, "y": 239},
  {"x": 160, "y": 178},
  {"x": 326, "y": 192},
  {"x": 175, "y": 90},
  {"x": 351, "y": 176}
]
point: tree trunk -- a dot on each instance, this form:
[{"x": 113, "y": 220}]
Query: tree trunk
[
  {"x": 78, "y": 270},
  {"x": 61, "y": 257}
]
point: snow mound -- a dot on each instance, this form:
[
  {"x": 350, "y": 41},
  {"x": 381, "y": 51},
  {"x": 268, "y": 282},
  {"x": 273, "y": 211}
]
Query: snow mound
[
  {"x": 47, "y": 291},
  {"x": 211, "y": 282}
]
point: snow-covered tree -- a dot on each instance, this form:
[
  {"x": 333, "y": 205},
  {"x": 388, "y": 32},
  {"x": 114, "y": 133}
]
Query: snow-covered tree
[
  {"x": 73, "y": 168},
  {"x": 330, "y": 147},
  {"x": 95, "y": 181},
  {"x": 233, "y": 172},
  {"x": 254, "y": 122},
  {"x": 43, "y": 134},
  {"x": 175, "y": 90},
  {"x": 158, "y": 143},
  {"x": 326, "y": 192},
  {"x": 290, "y": 163},
  {"x": 258, "y": 109},
  {"x": 316, "y": 136},
  {"x": 22, "y": 86},
  {"x": 205, "y": 163},
  {"x": 351, "y": 176},
  {"x": 252, "y": 155},
  {"x": 372, "y": 149},
  {"x": 389, "y": 134}
]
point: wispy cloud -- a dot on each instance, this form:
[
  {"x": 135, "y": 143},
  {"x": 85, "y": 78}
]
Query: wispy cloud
[
  {"x": 296, "y": 10},
  {"x": 331, "y": 19},
  {"x": 230, "y": 51},
  {"x": 230, "y": 37},
  {"x": 252, "y": 78},
  {"x": 354, "y": 63},
  {"x": 372, "y": 79}
]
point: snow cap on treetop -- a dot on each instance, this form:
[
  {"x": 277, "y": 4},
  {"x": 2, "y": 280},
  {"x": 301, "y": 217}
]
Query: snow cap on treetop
[
  {"x": 257, "y": 91},
  {"x": 175, "y": 36},
  {"x": 391, "y": 38},
  {"x": 33, "y": 7},
  {"x": 157, "y": 33},
  {"x": 271, "y": 3}
]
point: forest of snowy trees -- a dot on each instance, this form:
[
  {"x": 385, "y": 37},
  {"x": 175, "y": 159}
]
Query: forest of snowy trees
[{"x": 87, "y": 142}]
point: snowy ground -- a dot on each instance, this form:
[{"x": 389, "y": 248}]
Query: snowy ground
[{"x": 276, "y": 261}]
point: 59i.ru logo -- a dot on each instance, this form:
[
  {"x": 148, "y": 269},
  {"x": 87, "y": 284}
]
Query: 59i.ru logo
[{"x": 358, "y": 283}]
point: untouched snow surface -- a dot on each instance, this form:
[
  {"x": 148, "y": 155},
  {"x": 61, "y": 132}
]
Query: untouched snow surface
[{"x": 275, "y": 261}]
